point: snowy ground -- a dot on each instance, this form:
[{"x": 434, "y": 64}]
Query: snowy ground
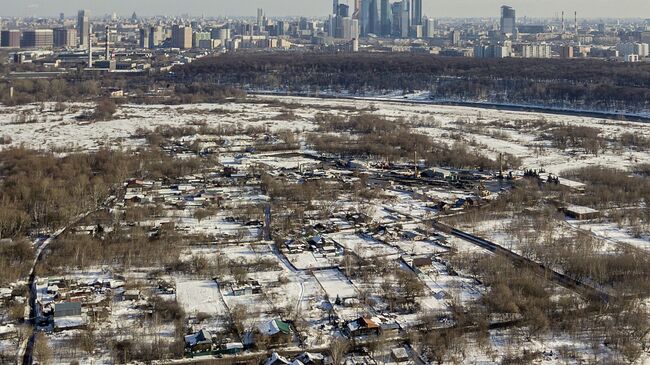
[
  {"x": 289, "y": 288},
  {"x": 200, "y": 296},
  {"x": 51, "y": 129}
]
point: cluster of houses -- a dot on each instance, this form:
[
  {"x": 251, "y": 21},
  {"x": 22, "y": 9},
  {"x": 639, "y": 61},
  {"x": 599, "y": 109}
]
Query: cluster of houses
[
  {"x": 203, "y": 342},
  {"x": 306, "y": 358},
  {"x": 317, "y": 244},
  {"x": 66, "y": 304}
]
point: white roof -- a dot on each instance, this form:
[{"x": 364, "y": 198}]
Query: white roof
[
  {"x": 580, "y": 209},
  {"x": 234, "y": 345},
  {"x": 269, "y": 328},
  {"x": 68, "y": 322},
  {"x": 275, "y": 357}
]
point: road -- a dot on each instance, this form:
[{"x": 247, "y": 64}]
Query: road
[
  {"x": 28, "y": 356},
  {"x": 620, "y": 115}
]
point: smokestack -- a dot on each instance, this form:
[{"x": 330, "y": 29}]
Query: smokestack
[
  {"x": 106, "y": 49},
  {"x": 90, "y": 46},
  {"x": 563, "y": 27},
  {"x": 575, "y": 14}
]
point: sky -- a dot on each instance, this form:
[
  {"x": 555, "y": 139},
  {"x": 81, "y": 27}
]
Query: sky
[{"x": 434, "y": 8}]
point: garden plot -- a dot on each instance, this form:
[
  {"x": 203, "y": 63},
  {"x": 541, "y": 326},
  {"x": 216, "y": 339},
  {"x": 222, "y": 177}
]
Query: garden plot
[
  {"x": 200, "y": 296},
  {"x": 309, "y": 260},
  {"x": 444, "y": 286},
  {"x": 364, "y": 246},
  {"x": 405, "y": 204},
  {"x": 335, "y": 284},
  {"x": 424, "y": 247}
]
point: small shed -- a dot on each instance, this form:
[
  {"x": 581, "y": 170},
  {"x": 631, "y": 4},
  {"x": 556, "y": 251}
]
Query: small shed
[
  {"x": 581, "y": 213},
  {"x": 399, "y": 354}
]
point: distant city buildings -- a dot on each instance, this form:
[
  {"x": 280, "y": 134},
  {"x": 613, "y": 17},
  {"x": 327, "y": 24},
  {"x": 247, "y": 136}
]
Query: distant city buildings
[
  {"x": 83, "y": 27},
  {"x": 508, "y": 20},
  {"x": 10, "y": 38},
  {"x": 181, "y": 37},
  {"x": 352, "y": 26},
  {"x": 65, "y": 37},
  {"x": 37, "y": 38}
]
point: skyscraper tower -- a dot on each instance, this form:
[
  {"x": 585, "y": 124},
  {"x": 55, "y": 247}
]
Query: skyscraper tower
[
  {"x": 375, "y": 19},
  {"x": 508, "y": 19},
  {"x": 260, "y": 20},
  {"x": 405, "y": 19},
  {"x": 416, "y": 12},
  {"x": 83, "y": 26},
  {"x": 386, "y": 18},
  {"x": 364, "y": 17},
  {"x": 357, "y": 9}
]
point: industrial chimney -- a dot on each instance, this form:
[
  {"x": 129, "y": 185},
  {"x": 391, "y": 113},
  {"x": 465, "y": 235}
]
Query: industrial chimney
[
  {"x": 107, "y": 56},
  {"x": 90, "y": 46}
]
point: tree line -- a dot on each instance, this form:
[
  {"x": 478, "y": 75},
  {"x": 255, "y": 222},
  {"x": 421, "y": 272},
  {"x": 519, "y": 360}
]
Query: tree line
[{"x": 569, "y": 83}]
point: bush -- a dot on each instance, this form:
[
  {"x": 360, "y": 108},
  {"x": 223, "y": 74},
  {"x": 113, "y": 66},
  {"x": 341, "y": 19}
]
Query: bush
[{"x": 104, "y": 109}]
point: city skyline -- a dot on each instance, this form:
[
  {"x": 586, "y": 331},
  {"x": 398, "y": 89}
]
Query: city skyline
[{"x": 458, "y": 9}]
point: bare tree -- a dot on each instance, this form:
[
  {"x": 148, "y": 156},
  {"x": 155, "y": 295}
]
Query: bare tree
[{"x": 338, "y": 348}]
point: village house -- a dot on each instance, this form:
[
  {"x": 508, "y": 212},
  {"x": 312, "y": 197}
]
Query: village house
[
  {"x": 67, "y": 316},
  {"x": 276, "y": 330},
  {"x": 362, "y": 327},
  {"x": 199, "y": 341},
  {"x": 276, "y": 359}
]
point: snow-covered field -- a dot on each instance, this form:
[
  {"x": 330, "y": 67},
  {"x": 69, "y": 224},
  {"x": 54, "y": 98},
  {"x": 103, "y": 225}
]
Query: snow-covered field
[
  {"x": 50, "y": 129},
  {"x": 200, "y": 296},
  {"x": 288, "y": 287}
]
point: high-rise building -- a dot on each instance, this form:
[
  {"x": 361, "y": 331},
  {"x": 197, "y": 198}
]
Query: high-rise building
[
  {"x": 640, "y": 49},
  {"x": 182, "y": 37},
  {"x": 429, "y": 28},
  {"x": 357, "y": 9},
  {"x": 375, "y": 17},
  {"x": 369, "y": 17},
  {"x": 364, "y": 17},
  {"x": 508, "y": 20},
  {"x": 416, "y": 12},
  {"x": 260, "y": 20},
  {"x": 37, "y": 38},
  {"x": 566, "y": 52},
  {"x": 454, "y": 37},
  {"x": 65, "y": 37},
  {"x": 536, "y": 51},
  {"x": 144, "y": 37},
  {"x": 386, "y": 18},
  {"x": 83, "y": 25},
  {"x": 405, "y": 19},
  {"x": 10, "y": 38},
  {"x": 343, "y": 11},
  {"x": 156, "y": 36},
  {"x": 197, "y": 37},
  {"x": 223, "y": 34},
  {"x": 396, "y": 8}
]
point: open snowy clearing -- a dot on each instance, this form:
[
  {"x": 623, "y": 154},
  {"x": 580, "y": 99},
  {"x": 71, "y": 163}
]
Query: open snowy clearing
[{"x": 48, "y": 129}]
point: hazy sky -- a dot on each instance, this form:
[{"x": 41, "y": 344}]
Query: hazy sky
[{"x": 435, "y": 8}]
